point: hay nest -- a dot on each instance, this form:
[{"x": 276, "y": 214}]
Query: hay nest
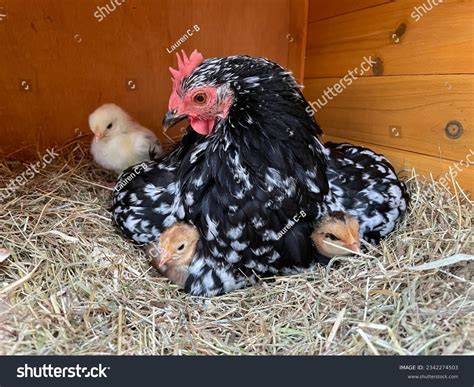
[{"x": 73, "y": 285}]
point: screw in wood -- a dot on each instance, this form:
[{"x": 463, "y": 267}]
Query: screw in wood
[
  {"x": 25, "y": 85},
  {"x": 399, "y": 32},
  {"x": 131, "y": 84},
  {"x": 395, "y": 131},
  {"x": 378, "y": 67},
  {"x": 454, "y": 129},
  {"x": 3, "y": 13}
]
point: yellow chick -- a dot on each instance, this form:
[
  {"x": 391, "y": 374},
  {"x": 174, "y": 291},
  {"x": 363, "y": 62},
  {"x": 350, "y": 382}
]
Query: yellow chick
[
  {"x": 120, "y": 142},
  {"x": 177, "y": 246},
  {"x": 337, "y": 230}
]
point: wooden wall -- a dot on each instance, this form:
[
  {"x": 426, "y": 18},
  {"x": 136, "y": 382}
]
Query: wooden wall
[
  {"x": 424, "y": 79},
  {"x": 72, "y": 62}
]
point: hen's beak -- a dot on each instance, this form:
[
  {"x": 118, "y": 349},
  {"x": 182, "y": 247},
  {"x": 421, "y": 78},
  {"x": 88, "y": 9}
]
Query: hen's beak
[{"x": 171, "y": 118}]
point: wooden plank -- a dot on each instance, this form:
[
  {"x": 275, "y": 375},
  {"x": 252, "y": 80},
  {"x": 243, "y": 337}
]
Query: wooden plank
[
  {"x": 74, "y": 62},
  {"x": 323, "y": 9},
  {"x": 424, "y": 165},
  {"x": 297, "y": 37},
  {"x": 419, "y": 106},
  {"x": 441, "y": 42}
]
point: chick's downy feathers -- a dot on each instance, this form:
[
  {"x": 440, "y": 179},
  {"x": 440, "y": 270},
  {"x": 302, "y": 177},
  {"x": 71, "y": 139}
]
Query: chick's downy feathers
[
  {"x": 119, "y": 141},
  {"x": 336, "y": 234},
  {"x": 172, "y": 254}
]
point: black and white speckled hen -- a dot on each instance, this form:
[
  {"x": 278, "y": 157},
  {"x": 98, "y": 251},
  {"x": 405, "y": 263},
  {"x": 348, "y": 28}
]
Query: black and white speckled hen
[
  {"x": 144, "y": 194},
  {"x": 252, "y": 181},
  {"x": 365, "y": 185}
]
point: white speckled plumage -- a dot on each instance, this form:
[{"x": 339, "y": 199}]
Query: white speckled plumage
[
  {"x": 243, "y": 184},
  {"x": 364, "y": 184}
]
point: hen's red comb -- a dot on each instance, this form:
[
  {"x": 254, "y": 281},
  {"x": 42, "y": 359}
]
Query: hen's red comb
[{"x": 185, "y": 66}]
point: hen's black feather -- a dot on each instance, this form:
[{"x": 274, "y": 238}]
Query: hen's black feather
[
  {"x": 245, "y": 187},
  {"x": 144, "y": 194},
  {"x": 256, "y": 185}
]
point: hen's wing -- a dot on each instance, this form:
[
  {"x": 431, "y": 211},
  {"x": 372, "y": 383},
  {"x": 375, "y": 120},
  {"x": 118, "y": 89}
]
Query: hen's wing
[
  {"x": 144, "y": 198},
  {"x": 364, "y": 184}
]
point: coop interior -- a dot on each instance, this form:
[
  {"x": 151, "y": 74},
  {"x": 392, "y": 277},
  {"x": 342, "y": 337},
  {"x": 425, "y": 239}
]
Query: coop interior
[{"x": 73, "y": 285}]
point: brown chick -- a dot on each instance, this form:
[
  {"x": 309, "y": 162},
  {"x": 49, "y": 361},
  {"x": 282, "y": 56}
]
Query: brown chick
[
  {"x": 338, "y": 229},
  {"x": 174, "y": 252}
]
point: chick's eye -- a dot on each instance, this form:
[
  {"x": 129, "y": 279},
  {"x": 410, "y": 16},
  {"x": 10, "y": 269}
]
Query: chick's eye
[
  {"x": 181, "y": 247},
  {"x": 109, "y": 126},
  {"x": 200, "y": 98},
  {"x": 332, "y": 237}
]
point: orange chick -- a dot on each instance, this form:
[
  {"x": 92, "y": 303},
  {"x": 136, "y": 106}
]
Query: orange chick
[
  {"x": 174, "y": 252},
  {"x": 337, "y": 234}
]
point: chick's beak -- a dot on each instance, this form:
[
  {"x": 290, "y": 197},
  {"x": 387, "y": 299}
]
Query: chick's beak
[
  {"x": 98, "y": 134},
  {"x": 172, "y": 118},
  {"x": 355, "y": 247},
  {"x": 164, "y": 258}
]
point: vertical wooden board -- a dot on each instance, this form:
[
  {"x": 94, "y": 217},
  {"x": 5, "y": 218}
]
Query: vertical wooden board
[
  {"x": 441, "y": 42},
  {"x": 75, "y": 63},
  {"x": 297, "y": 37},
  {"x": 417, "y": 107},
  {"x": 323, "y": 9}
]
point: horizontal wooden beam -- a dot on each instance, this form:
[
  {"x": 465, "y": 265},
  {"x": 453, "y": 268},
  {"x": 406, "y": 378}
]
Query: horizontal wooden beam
[
  {"x": 323, "y": 9},
  {"x": 440, "y": 42},
  {"x": 405, "y": 112}
]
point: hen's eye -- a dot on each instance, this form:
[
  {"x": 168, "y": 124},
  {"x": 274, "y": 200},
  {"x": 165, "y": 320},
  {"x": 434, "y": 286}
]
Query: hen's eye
[
  {"x": 200, "y": 98},
  {"x": 109, "y": 126},
  {"x": 332, "y": 237},
  {"x": 181, "y": 247}
]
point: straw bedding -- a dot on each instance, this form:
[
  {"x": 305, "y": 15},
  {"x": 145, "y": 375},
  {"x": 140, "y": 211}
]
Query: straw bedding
[{"x": 73, "y": 285}]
